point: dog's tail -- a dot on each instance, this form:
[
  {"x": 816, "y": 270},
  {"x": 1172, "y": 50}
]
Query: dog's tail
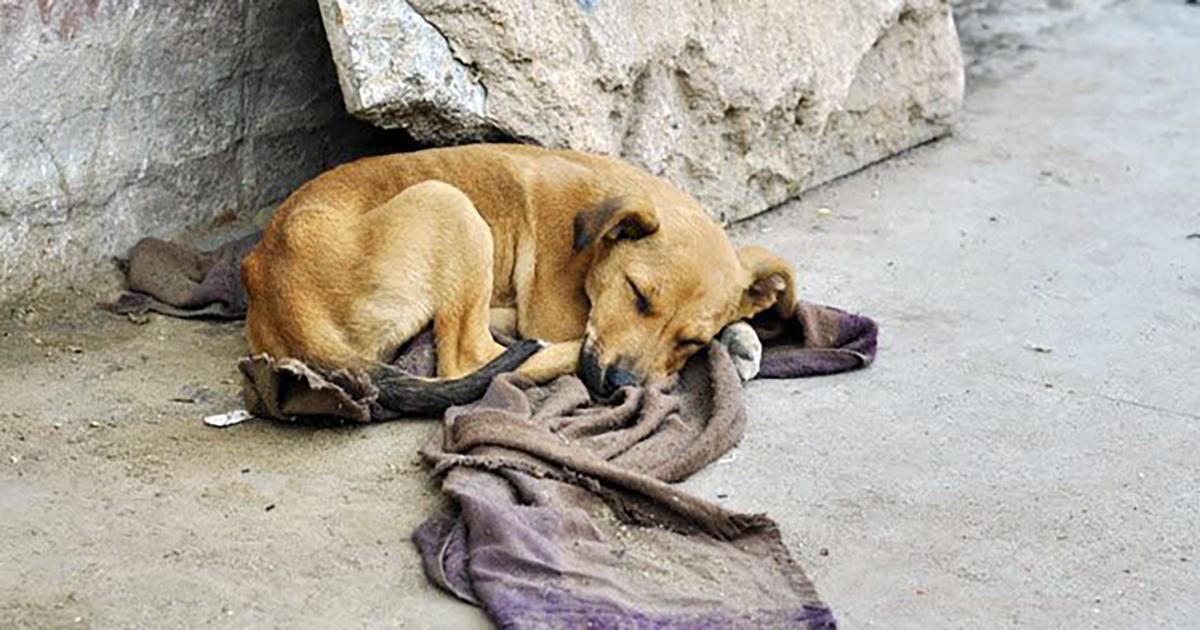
[{"x": 404, "y": 393}]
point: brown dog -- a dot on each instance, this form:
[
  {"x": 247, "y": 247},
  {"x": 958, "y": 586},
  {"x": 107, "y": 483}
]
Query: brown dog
[{"x": 621, "y": 270}]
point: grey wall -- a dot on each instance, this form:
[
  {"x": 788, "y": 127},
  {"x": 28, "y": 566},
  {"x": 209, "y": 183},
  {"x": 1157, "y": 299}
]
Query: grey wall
[{"x": 124, "y": 118}]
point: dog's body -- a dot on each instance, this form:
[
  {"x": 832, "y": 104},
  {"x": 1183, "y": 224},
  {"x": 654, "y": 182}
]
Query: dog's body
[{"x": 621, "y": 270}]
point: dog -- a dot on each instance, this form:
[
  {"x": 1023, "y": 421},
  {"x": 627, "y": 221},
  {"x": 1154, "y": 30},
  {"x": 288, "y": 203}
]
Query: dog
[{"x": 620, "y": 272}]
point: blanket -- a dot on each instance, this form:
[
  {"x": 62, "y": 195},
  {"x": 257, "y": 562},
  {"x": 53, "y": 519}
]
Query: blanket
[
  {"x": 182, "y": 281},
  {"x": 568, "y": 513},
  {"x": 568, "y": 516}
]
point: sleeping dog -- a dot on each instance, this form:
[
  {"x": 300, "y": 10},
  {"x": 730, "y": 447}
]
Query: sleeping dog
[{"x": 623, "y": 274}]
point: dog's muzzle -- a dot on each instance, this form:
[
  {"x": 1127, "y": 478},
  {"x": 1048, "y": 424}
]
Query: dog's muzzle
[{"x": 599, "y": 379}]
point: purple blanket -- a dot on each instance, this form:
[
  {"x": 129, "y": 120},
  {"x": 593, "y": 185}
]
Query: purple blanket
[{"x": 567, "y": 512}]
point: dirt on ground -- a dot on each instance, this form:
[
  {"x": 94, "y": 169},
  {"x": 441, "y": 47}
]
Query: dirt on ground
[{"x": 122, "y": 509}]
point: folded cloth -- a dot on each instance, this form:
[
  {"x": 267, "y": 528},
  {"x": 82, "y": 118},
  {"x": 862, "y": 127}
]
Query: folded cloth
[
  {"x": 183, "y": 281},
  {"x": 818, "y": 340},
  {"x": 290, "y": 390}
]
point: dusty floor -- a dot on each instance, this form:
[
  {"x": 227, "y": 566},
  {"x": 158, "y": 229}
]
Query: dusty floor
[{"x": 1025, "y": 453}]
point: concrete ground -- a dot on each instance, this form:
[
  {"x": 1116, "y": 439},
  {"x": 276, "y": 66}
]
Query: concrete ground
[{"x": 1024, "y": 453}]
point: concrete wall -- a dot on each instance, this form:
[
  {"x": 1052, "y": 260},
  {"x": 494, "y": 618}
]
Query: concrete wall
[{"x": 123, "y": 118}]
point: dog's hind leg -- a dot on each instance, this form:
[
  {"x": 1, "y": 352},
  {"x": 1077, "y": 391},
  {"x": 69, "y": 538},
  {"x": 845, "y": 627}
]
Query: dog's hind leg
[
  {"x": 429, "y": 254},
  {"x": 464, "y": 284},
  {"x": 439, "y": 266},
  {"x": 464, "y": 340}
]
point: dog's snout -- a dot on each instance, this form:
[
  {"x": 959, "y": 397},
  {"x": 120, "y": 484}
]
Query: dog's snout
[
  {"x": 600, "y": 379},
  {"x": 616, "y": 378}
]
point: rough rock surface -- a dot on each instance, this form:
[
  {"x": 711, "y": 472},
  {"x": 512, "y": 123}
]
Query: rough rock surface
[
  {"x": 742, "y": 104},
  {"x": 119, "y": 120}
]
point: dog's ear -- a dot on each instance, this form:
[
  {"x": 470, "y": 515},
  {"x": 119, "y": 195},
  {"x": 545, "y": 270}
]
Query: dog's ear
[
  {"x": 772, "y": 283},
  {"x": 613, "y": 219}
]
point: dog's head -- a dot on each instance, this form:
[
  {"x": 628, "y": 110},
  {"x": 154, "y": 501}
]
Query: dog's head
[{"x": 662, "y": 285}]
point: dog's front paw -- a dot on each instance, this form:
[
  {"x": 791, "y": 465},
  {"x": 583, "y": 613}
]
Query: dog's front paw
[{"x": 744, "y": 348}]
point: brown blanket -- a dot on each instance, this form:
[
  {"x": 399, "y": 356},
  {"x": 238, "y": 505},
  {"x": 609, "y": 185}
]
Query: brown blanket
[
  {"x": 182, "y": 281},
  {"x": 568, "y": 515}
]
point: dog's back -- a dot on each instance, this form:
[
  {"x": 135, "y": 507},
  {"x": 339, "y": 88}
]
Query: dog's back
[{"x": 345, "y": 289}]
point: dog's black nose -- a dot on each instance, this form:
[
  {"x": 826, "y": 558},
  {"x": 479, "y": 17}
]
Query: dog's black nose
[{"x": 615, "y": 379}]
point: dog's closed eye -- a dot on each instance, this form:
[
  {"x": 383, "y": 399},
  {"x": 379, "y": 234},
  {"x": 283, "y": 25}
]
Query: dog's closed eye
[
  {"x": 692, "y": 343},
  {"x": 639, "y": 298}
]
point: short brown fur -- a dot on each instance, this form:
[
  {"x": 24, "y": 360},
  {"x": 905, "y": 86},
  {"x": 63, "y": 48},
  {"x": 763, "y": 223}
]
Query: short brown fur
[{"x": 623, "y": 271}]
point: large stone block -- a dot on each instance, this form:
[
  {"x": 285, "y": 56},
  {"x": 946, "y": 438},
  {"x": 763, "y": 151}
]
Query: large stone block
[
  {"x": 742, "y": 104},
  {"x": 125, "y": 119}
]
